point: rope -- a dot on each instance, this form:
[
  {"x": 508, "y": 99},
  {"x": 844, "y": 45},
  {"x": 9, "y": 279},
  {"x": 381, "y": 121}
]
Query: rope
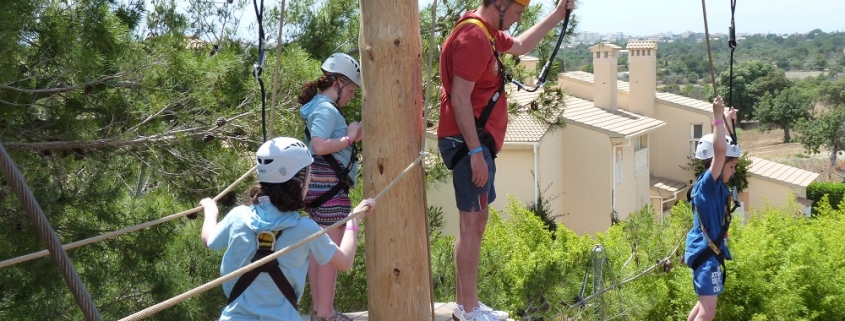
[
  {"x": 276, "y": 71},
  {"x": 732, "y": 44},
  {"x": 665, "y": 260},
  {"x": 541, "y": 79},
  {"x": 426, "y": 113},
  {"x": 123, "y": 231},
  {"x": 709, "y": 52},
  {"x": 48, "y": 236},
  {"x": 259, "y": 66},
  {"x": 219, "y": 281}
]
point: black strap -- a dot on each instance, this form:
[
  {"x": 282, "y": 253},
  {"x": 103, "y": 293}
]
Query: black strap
[
  {"x": 344, "y": 181},
  {"x": 271, "y": 268},
  {"x": 708, "y": 252},
  {"x": 732, "y": 44}
]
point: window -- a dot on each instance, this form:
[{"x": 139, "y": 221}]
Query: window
[
  {"x": 598, "y": 54},
  {"x": 641, "y": 154},
  {"x": 605, "y": 54},
  {"x": 696, "y": 131}
]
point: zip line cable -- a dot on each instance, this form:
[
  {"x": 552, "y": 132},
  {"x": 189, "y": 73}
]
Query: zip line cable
[
  {"x": 48, "y": 236},
  {"x": 544, "y": 73}
]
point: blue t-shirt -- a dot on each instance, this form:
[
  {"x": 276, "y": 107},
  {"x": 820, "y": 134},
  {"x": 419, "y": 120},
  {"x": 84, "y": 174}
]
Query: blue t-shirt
[
  {"x": 238, "y": 231},
  {"x": 324, "y": 120},
  {"x": 709, "y": 197}
]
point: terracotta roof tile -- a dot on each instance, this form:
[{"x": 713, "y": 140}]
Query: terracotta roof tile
[
  {"x": 781, "y": 173},
  {"x": 579, "y": 112},
  {"x": 666, "y": 187},
  {"x": 666, "y": 98},
  {"x": 642, "y": 44}
]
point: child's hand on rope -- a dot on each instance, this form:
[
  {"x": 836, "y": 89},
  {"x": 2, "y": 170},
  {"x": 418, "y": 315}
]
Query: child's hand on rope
[
  {"x": 209, "y": 206},
  {"x": 367, "y": 205},
  {"x": 718, "y": 107},
  {"x": 354, "y": 131}
]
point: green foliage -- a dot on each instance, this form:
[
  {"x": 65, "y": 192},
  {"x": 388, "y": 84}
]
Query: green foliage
[
  {"x": 834, "y": 192},
  {"x": 740, "y": 178},
  {"x": 543, "y": 209},
  {"x": 752, "y": 80},
  {"x": 783, "y": 109}
]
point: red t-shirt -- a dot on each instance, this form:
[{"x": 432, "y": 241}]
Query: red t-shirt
[{"x": 468, "y": 54}]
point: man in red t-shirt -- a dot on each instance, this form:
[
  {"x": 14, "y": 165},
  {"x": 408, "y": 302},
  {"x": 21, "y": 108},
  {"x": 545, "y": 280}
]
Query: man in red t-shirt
[{"x": 471, "y": 75}]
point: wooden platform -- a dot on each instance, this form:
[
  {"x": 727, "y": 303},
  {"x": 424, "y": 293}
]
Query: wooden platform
[{"x": 442, "y": 312}]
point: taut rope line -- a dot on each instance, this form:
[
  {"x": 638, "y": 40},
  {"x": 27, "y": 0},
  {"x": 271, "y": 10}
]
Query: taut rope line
[
  {"x": 126, "y": 230},
  {"x": 48, "y": 236},
  {"x": 217, "y": 282},
  {"x": 709, "y": 52}
]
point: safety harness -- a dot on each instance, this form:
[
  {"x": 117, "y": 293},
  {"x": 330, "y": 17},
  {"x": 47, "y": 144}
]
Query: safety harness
[
  {"x": 483, "y": 137},
  {"x": 714, "y": 247},
  {"x": 266, "y": 246},
  {"x": 344, "y": 181}
]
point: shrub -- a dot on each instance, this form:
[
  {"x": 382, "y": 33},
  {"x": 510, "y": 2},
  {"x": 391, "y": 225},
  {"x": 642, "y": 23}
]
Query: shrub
[{"x": 834, "y": 192}]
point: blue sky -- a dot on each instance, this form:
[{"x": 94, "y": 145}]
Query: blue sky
[
  {"x": 752, "y": 16},
  {"x": 650, "y": 17}
]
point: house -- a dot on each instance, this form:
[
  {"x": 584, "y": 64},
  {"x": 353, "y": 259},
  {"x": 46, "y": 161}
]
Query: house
[{"x": 622, "y": 149}]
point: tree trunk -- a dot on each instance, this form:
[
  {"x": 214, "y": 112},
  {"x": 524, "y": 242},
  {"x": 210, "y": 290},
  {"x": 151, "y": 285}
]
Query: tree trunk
[
  {"x": 786, "y": 137},
  {"x": 398, "y": 259}
]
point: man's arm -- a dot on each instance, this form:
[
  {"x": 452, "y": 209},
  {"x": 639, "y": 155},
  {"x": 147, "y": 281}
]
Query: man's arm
[
  {"x": 528, "y": 40},
  {"x": 462, "y": 107}
]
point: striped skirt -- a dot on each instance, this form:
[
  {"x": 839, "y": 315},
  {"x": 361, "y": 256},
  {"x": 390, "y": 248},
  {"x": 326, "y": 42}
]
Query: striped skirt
[{"x": 323, "y": 178}]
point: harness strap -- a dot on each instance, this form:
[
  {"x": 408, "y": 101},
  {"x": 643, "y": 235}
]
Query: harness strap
[
  {"x": 484, "y": 138},
  {"x": 714, "y": 247},
  {"x": 266, "y": 245},
  {"x": 344, "y": 181}
]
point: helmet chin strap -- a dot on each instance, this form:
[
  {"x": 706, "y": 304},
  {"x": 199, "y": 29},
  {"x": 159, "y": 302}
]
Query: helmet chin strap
[{"x": 502, "y": 15}]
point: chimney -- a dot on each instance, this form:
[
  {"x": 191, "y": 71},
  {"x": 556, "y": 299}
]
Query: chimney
[
  {"x": 604, "y": 75},
  {"x": 642, "y": 67},
  {"x": 530, "y": 64}
]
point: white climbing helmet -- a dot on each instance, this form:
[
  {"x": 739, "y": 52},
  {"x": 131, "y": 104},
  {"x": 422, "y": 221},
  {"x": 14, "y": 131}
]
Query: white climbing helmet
[
  {"x": 280, "y": 158},
  {"x": 704, "y": 149},
  {"x": 341, "y": 63}
]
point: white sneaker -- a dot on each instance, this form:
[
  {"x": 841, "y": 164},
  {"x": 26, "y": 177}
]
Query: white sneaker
[
  {"x": 478, "y": 315},
  {"x": 501, "y": 315}
]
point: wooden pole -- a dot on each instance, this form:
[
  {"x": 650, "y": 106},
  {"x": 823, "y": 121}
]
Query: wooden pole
[{"x": 398, "y": 271}]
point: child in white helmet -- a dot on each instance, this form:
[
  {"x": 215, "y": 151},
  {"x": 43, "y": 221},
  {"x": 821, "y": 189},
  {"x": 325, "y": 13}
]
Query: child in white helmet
[
  {"x": 269, "y": 221},
  {"x": 706, "y": 249},
  {"x": 335, "y": 169}
]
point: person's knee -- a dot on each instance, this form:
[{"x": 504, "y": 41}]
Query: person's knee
[{"x": 707, "y": 308}]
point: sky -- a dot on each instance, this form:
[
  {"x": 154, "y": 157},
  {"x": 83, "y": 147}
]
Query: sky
[
  {"x": 677, "y": 16},
  {"x": 651, "y": 17}
]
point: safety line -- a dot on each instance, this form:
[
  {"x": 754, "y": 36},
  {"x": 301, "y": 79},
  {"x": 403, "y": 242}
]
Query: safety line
[
  {"x": 98, "y": 238},
  {"x": 219, "y": 281}
]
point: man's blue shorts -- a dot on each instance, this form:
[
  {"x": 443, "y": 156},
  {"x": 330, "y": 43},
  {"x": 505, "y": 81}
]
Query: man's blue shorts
[
  {"x": 707, "y": 278},
  {"x": 468, "y": 197}
]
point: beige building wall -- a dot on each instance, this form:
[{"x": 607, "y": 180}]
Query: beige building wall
[
  {"x": 632, "y": 190},
  {"x": 580, "y": 89},
  {"x": 672, "y": 143},
  {"x": 513, "y": 177},
  {"x": 759, "y": 187},
  {"x": 587, "y": 175},
  {"x": 551, "y": 173}
]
